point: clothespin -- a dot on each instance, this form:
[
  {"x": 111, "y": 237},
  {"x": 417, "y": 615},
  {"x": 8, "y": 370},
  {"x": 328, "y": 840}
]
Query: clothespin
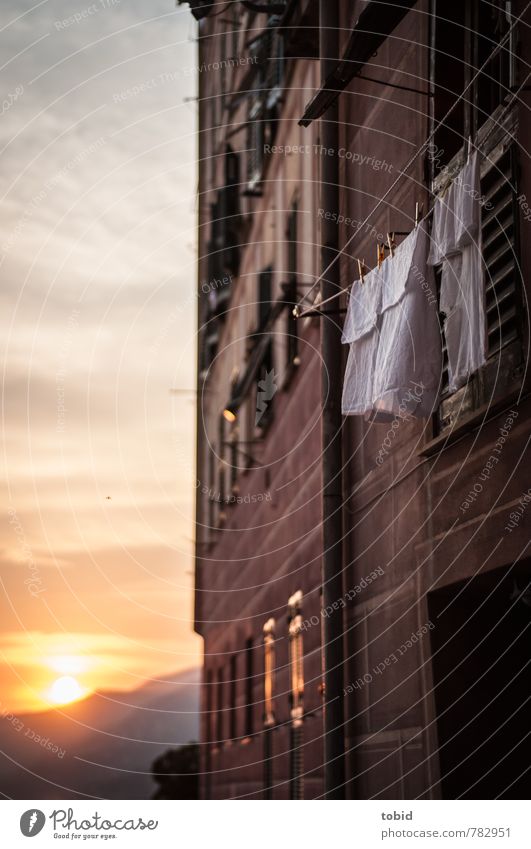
[
  {"x": 380, "y": 254},
  {"x": 419, "y": 208},
  {"x": 391, "y": 243},
  {"x": 446, "y": 186},
  {"x": 362, "y": 268}
]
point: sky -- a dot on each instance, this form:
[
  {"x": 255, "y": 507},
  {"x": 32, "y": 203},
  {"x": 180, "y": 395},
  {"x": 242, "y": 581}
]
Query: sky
[{"x": 97, "y": 265}]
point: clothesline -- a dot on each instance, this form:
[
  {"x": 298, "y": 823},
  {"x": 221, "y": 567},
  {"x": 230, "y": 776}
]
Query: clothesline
[
  {"x": 316, "y": 308},
  {"x": 393, "y": 326},
  {"x": 297, "y": 313}
]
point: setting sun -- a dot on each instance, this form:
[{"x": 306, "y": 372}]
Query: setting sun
[{"x": 65, "y": 690}]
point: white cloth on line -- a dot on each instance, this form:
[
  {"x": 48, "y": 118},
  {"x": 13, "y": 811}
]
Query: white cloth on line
[
  {"x": 456, "y": 243},
  {"x": 408, "y": 365},
  {"x": 456, "y": 215},
  {"x": 360, "y": 331},
  {"x": 462, "y": 302},
  {"x": 394, "y": 362}
]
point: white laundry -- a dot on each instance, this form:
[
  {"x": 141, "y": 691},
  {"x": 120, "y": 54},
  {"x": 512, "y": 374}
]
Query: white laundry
[
  {"x": 456, "y": 243},
  {"x": 360, "y": 331},
  {"x": 456, "y": 215},
  {"x": 466, "y": 203},
  {"x": 408, "y": 364},
  {"x": 462, "y": 302},
  {"x": 394, "y": 362}
]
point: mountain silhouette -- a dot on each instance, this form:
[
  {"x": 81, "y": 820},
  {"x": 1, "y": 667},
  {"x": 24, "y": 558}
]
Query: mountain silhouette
[{"x": 102, "y": 746}]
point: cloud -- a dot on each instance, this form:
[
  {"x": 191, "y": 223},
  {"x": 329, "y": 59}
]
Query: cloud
[{"x": 97, "y": 252}]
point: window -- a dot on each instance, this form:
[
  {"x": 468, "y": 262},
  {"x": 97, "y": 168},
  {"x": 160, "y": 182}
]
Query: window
[
  {"x": 228, "y": 215},
  {"x": 212, "y": 495},
  {"x": 265, "y": 375},
  {"x": 268, "y": 53},
  {"x": 274, "y": 58},
  {"x": 208, "y": 705},
  {"x": 233, "y": 716},
  {"x": 234, "y": 461},
  {"x": 269, "y": 671},
  {"x": 500, "y": 241},
  {"x": 269, "y": 705},
  {"x": 249, "y": 688},
  {"x": 489, "y": 118},
  {"x": 448, "y": 80},
  {"x": 490, "y": 25},
  {"x": 222, "y": 40},
  {"x": 255, "y": 144},
  {"x": 296, "y": 656},
  {"x": 296, "y": 667},
  {"x": 235, "y": 31},
  {"x": 232, "y": 182},
  {"x": 265, "y": 391},
  {"x": 265, "y": 285},
  {"x": 499, "y": 232},
  {"x": 219, "y": 708},
  {"x": 473, "y": 30},
  {"x": 222, "y": 477}
]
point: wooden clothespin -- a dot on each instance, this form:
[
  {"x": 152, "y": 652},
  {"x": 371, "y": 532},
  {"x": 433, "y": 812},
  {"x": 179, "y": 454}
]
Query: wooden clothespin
[
  {"x": 391, "y": 244},
  {"x": 362, "y": 268},
  {"x": 419, "y": 208},
  {"x": 380, "y": 254},
  {"x": 446, "y": 186}
]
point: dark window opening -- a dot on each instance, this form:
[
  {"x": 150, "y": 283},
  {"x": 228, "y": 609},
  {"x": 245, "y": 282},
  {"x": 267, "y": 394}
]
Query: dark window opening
[
  {"x": 234, "y": 461},
  {"x": 265, "y": 293},
  {"x": 266, "y": 387},
  {"x": 463, "y": 36},
  {"x": 491, "y": 25},
  {"x": 448, "y": 81},
  {"x": 482, "y": 685},
  {"x": 255, "y": 145}
]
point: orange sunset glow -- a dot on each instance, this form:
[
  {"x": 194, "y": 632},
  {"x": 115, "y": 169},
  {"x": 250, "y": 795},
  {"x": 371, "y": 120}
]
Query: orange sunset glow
[
  {"x": 65, "y": 690},
  {"x": 97, "y": 257}
]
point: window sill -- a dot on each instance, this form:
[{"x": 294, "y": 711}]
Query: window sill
[{"x": 469, "y": 422}]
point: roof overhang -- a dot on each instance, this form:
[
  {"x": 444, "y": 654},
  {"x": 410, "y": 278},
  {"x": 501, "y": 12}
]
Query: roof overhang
[{"x": 374, "y": 25}]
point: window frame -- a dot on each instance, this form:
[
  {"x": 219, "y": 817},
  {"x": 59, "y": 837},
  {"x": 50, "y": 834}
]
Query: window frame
[
  {"x": 269, "y": 672},
  {"x": 249, "y": 687},
  {"x": 493, "y": 137}
]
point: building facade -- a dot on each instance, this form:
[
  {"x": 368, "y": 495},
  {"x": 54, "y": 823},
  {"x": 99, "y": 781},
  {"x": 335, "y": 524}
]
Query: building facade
[{"x": 435, "y": 511}]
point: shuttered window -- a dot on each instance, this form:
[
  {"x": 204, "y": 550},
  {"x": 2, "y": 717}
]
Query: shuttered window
[
  {"x": 500, "y": 246},
  {"x": 499, "y": 220}
]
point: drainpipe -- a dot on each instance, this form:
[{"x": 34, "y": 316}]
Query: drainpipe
[{"x": 331, "y": 377}]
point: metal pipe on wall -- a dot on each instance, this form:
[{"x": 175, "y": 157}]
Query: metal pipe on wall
[{"x": 332, "y": 559}]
